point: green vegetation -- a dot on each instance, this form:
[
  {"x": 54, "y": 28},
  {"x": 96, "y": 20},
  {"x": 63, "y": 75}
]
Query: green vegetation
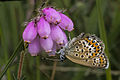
[{"x": 100, "y": 17}]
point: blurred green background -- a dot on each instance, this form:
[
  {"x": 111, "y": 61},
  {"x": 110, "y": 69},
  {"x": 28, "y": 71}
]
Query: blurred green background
[{"x": 14, "y": 14}]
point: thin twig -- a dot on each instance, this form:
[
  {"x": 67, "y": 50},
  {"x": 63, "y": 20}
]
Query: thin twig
[
  {"x": 20, "y": 65},
  {"x": 22, "y": 55},
  {"x": 54, "y": 70},
  {"x": 77, "y": 69}
]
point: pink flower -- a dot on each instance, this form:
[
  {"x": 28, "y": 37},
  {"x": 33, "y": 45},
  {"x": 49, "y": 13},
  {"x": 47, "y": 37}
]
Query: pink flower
[
  {"x": 46, "y": 44},
  {"x": 65, "y": 38},
  {"x": 47, "y": 33},
  {"x": 30, "y": 32},
  {"x": 51, "y": 15},
  {"x": 57, "y": 34},
  {"x": 34, "y": 47},
  {"x": 53, "y": 50},
  {"x": 43, "y": 28},
  {"x": 66, "y": 23}
]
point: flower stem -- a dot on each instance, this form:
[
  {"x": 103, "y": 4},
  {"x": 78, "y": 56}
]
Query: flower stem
[
  {"x": 20, "y": 65},
  {"x": 38, "y": 64},
  {"x": 54, "y": 69},
  {"x": 103, "y": 36}
]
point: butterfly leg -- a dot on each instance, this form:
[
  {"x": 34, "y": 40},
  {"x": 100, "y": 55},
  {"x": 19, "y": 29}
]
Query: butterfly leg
[{"x": 62, "y": 55}]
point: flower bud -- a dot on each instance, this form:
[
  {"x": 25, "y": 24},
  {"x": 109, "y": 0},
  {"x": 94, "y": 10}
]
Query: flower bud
[
  {"x": 46, "y": 44},
  {"x": 34, "y": 47},
  {"x": 51, "y": 15},
  {"x": 57, "y": 34},
  {"x": 43, "y": 28},
  {"x": 66, "y": 23},
  {"x": 30, "y": 32}
]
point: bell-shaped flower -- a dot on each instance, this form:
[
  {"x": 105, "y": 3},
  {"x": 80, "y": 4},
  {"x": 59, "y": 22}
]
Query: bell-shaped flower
[
  {"x": 47, "y": 44},
  {"x": 57, "y": 34},
  {"x": 51, "y": 15},
  {"x": 30, "y": 32},
  {"x": 65, "y": 38},
  {"x": 43, "y": 28},
  {"x": 34, "y": 47},
  {"x": 53, "y": 49},
  {"x": 66, "y": 23}
]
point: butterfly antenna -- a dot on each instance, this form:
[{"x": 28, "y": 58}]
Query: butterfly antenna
[
  {"x": 43, "y": 4},
  {"x": 69, "y": 37}
]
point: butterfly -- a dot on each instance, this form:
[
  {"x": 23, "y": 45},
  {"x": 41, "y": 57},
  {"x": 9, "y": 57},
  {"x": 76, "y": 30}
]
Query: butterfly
[{"x": 85, "y": 49}]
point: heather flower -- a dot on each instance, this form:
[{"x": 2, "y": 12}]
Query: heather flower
[
  {"x": 47, "y": 44},
  {"x": 46, "y": 33},
  {"x": 51, "y": 15},
  {"x": 43, "y": 28},
  {"x": 64, "y": 41},
  {"x": 57, "y": 34},
  {"x": 65, "y": 38},
  {"x": 66, "y": 23},
  {"x": 34, "y": 47},
  {"x": 30, "y": 32},
  {"x": 53, "y": 49}
]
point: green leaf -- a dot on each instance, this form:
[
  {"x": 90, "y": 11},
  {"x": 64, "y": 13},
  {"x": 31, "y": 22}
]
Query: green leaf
[
  {"x": 12, "y": 58},
  {"x": 103, "y": 35}
]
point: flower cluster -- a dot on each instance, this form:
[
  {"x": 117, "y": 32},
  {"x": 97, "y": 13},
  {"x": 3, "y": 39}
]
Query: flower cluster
[{"x": 46, "y": 33}]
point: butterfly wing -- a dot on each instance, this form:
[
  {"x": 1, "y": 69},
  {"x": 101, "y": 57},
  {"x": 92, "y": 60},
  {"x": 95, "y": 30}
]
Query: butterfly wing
[
  {"x": 97, "y": 62},
  {"x": 87, "y": 50}
]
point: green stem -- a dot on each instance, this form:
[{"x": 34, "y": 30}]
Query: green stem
[
  {"x": 11, "y": 59},
  {"x": 38, "y": 64},
  {"x": 103, "y": 36}
]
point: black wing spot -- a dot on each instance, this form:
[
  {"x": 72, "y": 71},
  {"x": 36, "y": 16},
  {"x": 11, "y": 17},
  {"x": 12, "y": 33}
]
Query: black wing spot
[
  {"x": 77, "y": 47},
  {"x": 93, "y": 64},
  {"x": 82, "y": 50},
  {"x": 82, "y": 56},
  {"x": 89, "y": 51},
  {"x": 78, "y": 50},
  {"x": 79, "y": 41},
  {"x": 86, "y": 53},
  {"x": 76, "y": 55},
  {"x": 89, "y": 48},
  {"x": 86, "y": 60}
]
